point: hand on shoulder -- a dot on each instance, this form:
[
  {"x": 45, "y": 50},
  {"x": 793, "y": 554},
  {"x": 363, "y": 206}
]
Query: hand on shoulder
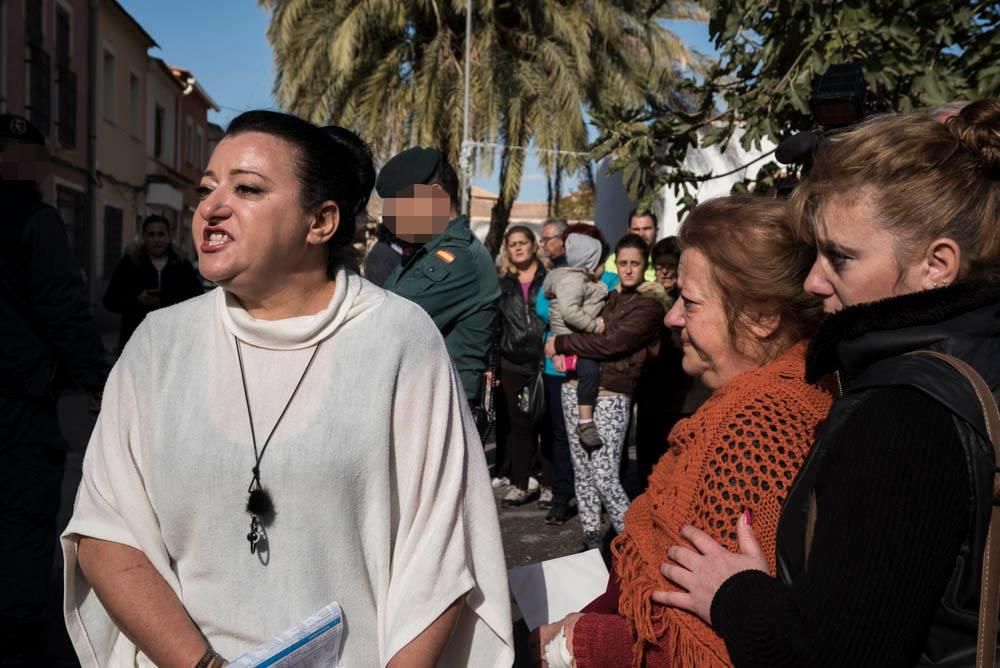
[{"x": 701, "y": 572}]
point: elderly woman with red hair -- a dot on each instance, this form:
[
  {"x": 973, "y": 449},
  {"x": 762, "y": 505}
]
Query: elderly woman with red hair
[{"x": 743, "y": 319}]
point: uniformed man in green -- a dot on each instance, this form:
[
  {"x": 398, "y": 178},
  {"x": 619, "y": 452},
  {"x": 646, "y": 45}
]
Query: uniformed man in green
[{"x": 451, "y": 274}]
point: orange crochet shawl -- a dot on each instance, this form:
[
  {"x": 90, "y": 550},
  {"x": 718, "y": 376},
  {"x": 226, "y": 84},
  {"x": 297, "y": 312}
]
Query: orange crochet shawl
[{"x": 739, "y": 451}]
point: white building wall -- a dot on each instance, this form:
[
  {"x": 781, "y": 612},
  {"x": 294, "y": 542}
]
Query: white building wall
[
  {"x": 613, "y": 203},
  {"x": 711, "y": 160}
]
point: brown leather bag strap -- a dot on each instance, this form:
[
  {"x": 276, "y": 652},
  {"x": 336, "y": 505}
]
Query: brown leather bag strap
[{"x": 989, "y": 592}]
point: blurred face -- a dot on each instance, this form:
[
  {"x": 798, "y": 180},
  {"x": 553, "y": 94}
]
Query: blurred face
[
  {"x": 644, "y": 227},
  {"x": 700, "y": 319},
  {"x": 856, "y": 261},
  {"x": 552, "y": 242},
  {"x": 418, "y": 213},
  {"x": 666, "y": 275},
  {"x": 250, "y": 229},
  {"x": 631, "y": 267},
  {"x": 521, "y": 250},
  {"x": 156, "y": 239}
]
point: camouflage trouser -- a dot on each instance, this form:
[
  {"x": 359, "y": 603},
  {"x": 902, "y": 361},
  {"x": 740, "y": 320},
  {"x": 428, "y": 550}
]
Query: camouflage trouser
[{"x": 597, "y": 480}]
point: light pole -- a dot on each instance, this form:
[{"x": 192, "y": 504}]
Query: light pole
[{"x": 466, "y": 156}]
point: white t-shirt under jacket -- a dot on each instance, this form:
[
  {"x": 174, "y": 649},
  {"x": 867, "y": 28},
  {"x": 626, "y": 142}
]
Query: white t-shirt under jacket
[{"x": 382, "y": 496}]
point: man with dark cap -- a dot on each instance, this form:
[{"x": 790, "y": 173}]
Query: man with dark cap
[
  {"x": 448, "y": 272},
  {"x": 48, "y": 336}
]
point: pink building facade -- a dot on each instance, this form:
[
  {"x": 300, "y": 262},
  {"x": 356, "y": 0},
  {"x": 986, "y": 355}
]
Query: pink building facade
[
  {"x": 44, "y": 75},
  {"x": 127, "y": 134}
]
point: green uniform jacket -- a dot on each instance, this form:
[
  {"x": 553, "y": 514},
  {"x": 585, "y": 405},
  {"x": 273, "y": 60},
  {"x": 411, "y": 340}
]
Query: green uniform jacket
[{"x": 454, "y": 279}]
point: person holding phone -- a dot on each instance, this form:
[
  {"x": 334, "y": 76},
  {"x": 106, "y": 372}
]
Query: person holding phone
[{"x": 150, "y": 275}]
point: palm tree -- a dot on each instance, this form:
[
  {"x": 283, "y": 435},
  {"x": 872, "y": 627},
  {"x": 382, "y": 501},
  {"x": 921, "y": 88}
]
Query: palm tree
[{"x": 393, "y": 70}]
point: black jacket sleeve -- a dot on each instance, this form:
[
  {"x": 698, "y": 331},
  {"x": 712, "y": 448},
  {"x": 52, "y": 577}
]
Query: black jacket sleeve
[
  {"x": 124, "y": 288},
  {"x": 190, "y": 282},
  {"x": 197, "y": 287},
  {"x": 892, "y": 511},
  {"x": 58, "y": 296}
]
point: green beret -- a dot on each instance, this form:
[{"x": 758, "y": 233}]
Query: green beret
[
  {"x": 20, "y": 130},
  {"x": 412, "y": 166}
]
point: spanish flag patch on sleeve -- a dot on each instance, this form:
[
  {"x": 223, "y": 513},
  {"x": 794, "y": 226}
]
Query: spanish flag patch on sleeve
[{"x": 447, "y": 256}]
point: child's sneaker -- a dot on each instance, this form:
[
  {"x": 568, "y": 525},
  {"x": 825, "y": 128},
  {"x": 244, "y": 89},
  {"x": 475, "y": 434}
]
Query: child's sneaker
[
  {"x": 593, "y": 541},
  {"x": 590, "y": 440}
]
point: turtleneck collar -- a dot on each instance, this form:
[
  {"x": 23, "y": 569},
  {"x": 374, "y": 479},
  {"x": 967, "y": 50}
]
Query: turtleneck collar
[
  {"x": 962, "y": 320},
  {"x": 351, "y": 298}
]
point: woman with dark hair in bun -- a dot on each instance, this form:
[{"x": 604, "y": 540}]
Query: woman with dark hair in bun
[
  {"x": 364, "y": 167},
  {"x": 295, "y": 438},
  {"x": 882, "y": 537}
]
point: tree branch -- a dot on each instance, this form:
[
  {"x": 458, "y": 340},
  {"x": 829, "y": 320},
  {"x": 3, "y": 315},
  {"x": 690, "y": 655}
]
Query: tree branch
[
  {"x": 717, "y": 117},
  {"x": 795, "y": 63},
  {"x": 710, "y": 177}
]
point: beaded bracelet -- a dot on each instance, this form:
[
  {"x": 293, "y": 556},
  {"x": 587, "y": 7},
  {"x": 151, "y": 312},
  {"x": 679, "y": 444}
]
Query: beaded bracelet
[{"x": 210, "y": 659}]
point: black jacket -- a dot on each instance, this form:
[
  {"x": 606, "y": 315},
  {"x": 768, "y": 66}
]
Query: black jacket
[
  {"x": 48, "y": 335},
  {"x": 901, "y": 476},
  {"x": 522, "y": 332},
  {"x": 178, "y": 281}
]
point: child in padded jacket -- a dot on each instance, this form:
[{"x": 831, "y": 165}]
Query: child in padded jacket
[{"x": 576, "y": 298}]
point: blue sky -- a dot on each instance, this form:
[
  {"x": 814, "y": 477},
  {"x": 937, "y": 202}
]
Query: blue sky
[{"x": 224, "y": 43}]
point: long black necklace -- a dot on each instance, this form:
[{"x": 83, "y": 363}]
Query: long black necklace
[{"x": 260, "y": 506}]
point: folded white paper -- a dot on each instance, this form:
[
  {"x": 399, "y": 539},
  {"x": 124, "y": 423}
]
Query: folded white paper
[
  {"x": 548, "y": 591},
  {"x": 314, "y": 642}
]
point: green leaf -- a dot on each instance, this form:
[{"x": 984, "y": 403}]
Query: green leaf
[{"x": 914, "y": 53}]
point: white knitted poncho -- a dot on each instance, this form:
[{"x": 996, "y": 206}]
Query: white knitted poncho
[{"x": 382, "y": 496}]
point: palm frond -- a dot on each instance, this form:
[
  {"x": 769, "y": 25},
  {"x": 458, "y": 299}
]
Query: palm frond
[{"x": 394, "y": 70}]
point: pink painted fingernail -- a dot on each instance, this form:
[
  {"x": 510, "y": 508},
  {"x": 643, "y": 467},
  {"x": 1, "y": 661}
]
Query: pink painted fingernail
[
  {"x": 747, "y": 516},
  {"x": 681, "y": 528}
]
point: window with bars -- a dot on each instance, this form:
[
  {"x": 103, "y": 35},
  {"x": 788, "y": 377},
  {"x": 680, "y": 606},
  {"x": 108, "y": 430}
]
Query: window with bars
[
  {"x": 133, "y": 104},
  {"x": 199, "y": 148},
  {"x": 33, "y": 21},
  {"x": 66, "y": 95},
  {"x": 66, "y": 99},
  {"x": 72, "y": 210},
  {"x": 109, "y": 86},
  {"x": 159, "y": 115},
  {"x": 39, "y": 88},
  {"x": 62, "y": 37}
]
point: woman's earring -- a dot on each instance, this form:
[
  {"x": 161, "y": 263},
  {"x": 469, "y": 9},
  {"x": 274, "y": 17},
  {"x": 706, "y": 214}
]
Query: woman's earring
[{"x": 935, "y": 284}]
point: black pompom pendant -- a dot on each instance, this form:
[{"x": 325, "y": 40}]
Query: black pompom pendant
[{"x": 259, "y": 503}]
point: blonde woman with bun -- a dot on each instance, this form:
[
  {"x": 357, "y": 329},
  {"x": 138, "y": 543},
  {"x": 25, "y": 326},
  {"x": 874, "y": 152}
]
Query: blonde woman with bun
[
  {"x": 522, "y": 272},
  {"x": 880, "y": 542}
]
